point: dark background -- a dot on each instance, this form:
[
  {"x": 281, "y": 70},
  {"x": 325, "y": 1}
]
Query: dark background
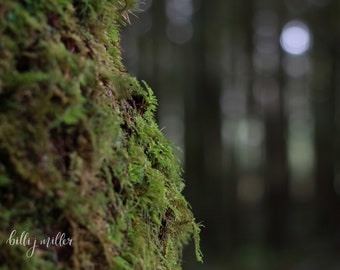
[{"x": 254, "y": 121}]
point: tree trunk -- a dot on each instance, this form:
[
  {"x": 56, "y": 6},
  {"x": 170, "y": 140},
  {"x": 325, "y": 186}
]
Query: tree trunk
[
  {"x": 82, "y": 161},
  {"x": 203, "y": 126},
  {"x": 325, "y": 102}
]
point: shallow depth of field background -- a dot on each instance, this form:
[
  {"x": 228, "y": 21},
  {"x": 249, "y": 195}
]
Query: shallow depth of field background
[{"x": 249, "y": 93}]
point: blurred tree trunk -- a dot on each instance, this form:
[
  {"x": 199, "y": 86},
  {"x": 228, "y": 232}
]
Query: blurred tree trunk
[
  {"x": 203, "y": 125},
  {"x": 276, "y": 166},
  {"x": 276, "y": 176},
  {"x": 152, "y": 46},
  {"x": 326, "y": 98}
]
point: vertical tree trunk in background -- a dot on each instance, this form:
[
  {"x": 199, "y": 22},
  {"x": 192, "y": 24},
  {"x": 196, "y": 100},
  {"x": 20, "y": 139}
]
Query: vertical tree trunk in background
[
  {"x": 276, "y": 177},
  {"x": 237, "y": 63},
  {"x": 336, "y": 87},
  {"x": 326, "y": 113},
  {"x": 203, "y": 125},
  {"x": 151, "y": 48},
  {"x": 276, "y": 167},
  {"x": 325, "y": 154}
]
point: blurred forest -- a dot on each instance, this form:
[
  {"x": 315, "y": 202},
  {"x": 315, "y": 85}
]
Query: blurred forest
[{"x": 248, "y": 92}]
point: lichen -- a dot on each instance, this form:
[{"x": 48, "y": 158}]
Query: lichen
[{"x": 80, "y": 151}]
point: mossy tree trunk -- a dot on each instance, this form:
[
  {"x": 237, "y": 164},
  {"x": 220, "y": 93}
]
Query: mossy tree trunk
[{"x": 80, "y": 152}]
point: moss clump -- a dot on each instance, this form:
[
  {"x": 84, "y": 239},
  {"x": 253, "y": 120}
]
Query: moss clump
[{"x": 80, "y": 152}]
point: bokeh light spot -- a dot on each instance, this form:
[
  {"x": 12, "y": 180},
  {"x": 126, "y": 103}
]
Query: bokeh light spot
[{"x": 295, "y": 38}]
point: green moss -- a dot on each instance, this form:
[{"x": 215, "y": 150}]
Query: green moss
[{"x": 80, "y": 152}]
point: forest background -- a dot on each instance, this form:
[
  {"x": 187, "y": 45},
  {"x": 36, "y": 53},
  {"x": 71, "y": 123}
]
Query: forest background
[{"x": 248, "y": 91}]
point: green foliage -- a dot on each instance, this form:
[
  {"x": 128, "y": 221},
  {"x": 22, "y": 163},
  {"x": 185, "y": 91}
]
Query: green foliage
[{"x": 80, "y": 151}]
